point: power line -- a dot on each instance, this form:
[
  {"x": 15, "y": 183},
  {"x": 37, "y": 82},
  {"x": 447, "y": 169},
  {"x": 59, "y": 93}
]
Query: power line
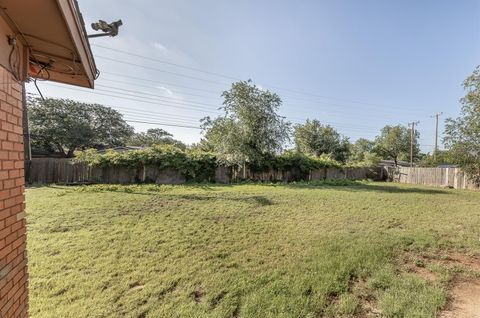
[
  {"x": 160, "y": 96},
  {"x": 137, "y": 93},
  {"x": 203, "y": 109},
  {"x": 224, "y": 76},
  {"x": 343, "y": 126},
  {"x": 159, "y": 70},
  {"x": 167, "y": 63},
  {"x": 198, "y": 108},
  {"x": 162, "y": 124},
  {"x": 150, "y": 114},
  {"x": 381, "y": 108},
  {"x": 162, "y": 99},
  {"x": 153, "y": 87},
  {"x": 184, "y": 122},
  {"x": 146, "y": 117},
  {"x": 150, "y": 81},
  {"x": 156, "y": 95}
]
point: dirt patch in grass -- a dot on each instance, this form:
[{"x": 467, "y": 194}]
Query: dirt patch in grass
[
  {"x": 464, "y": 294},
  {"x": 419, "y": 264},
  {"x": 465, "y": 300},
  {"x": 367, "y": 302},
  {"x": 136, "y": 286},
  {"x": 369, "y": 310},
  {"x": 198, "y": 294},
  {"x": 425, "y": 274},
  {"x": 217, "y": 299},
  {"x": 419, "y": 268},
  {"x": 470, "y": 262}
]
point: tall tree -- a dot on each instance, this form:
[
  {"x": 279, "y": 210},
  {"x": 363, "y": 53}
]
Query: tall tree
[
  {"x": 394, "y": 143},
  {"x": 316, "y": 139},
  {"x": 438, "y": 158},
  {"x": 462, "y": 134},
  {"x": 154, "y": 136},
  {"x": 65, "y": 125},
  {"x": 250, "y": 128},
  {"x": 360, "y": 149}
]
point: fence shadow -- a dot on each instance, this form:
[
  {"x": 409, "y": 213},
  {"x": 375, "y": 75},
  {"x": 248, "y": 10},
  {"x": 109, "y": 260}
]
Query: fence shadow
[
  {"x": 362, "y": 187},
  {"x": 350, "y": 186},
  {"x": 256, "y": 199}
]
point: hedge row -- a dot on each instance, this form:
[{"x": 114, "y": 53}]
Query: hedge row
[
  {"x": 198, "y": 165},
  {"x": 194, "y": 165}
]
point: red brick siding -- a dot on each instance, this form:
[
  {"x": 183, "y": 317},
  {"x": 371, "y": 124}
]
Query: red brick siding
[{"x": 13, "y": 256}]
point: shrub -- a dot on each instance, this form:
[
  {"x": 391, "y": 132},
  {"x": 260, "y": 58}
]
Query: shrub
[
  {"x": 194, "y": 165},
  {"x": 199, "y": 166},
  {"x": 291, "y": 160}
]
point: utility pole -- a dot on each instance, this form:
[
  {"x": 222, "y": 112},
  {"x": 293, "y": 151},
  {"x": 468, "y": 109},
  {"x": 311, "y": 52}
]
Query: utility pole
[
  {"x": 436, "y": 132},
  {"x": 412, "y": 136}
]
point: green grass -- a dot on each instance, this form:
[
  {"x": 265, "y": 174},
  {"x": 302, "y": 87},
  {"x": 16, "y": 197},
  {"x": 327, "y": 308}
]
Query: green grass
[{"x": 300, "y": 250}]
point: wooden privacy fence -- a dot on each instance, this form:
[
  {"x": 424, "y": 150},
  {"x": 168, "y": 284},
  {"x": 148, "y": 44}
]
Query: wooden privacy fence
[
  {"x": 437, "y": 177},
  {"x": 318, "y": 174},
  {"x": 65, "y": 171}
]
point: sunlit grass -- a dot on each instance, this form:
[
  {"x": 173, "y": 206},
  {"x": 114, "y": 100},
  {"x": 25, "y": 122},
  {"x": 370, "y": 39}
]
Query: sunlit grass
[{"x": 297, "y": 250}]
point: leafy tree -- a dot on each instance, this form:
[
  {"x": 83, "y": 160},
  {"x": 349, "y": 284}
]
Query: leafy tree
[
  {"x": 394, "y": 143},
  {"x": 316, "y": 139},
  {"x": 64, "y": 125},
  {"x": 360, "y": 149},
  {"x": 154, "y": 136},
  {"x": 462, "y": 135},
  {"x": 362, "y": 153},
  {"x": 250, "y": 130},
  {"x": 440, "y": 157}
]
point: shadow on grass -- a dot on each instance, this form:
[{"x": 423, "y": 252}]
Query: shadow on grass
[
  {"x": 340, "y": 185},
  {"x": 257, "y": 199},
  {"x": 362, "y": 187}
]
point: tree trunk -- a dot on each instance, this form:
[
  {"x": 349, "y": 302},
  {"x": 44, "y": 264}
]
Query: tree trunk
[
  {"x": 70, "y": 153},
  {"x": 60, "y": 149}
]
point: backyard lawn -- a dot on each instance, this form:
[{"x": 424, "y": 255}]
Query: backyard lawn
[{"x": 299, "y": 250}]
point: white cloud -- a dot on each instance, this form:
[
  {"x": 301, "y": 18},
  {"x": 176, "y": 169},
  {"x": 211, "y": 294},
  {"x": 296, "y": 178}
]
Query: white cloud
[
  {"x": 165, "y": 90},
  {"x": 160, "y": 47}
]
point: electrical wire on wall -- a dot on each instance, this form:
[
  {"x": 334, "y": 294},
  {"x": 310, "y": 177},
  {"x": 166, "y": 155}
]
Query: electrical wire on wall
[
  {"x": 42, "y": 69},
  {"x": 14, "y": 58}
]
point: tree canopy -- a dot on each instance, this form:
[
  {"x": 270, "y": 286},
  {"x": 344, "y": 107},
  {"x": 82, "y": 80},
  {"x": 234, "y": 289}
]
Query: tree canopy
[
  {"x": 154, "y": 136},
  {"x": 360, "y": 149},
  {"x": 462, "y": 134},
  {"x": 64, "y": 125},
  {"x": 394, "y": 143},
  {"x": 250, "y": 129},
  {"x": 316, "y": 139}
]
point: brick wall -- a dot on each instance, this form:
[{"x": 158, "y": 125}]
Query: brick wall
[{"x": 13, "y": 257}]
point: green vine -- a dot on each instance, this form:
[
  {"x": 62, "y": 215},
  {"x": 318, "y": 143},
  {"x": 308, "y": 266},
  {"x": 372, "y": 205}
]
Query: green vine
[
  {"x": 200, "y": 166},
  {"x": 194, "y": 165}
]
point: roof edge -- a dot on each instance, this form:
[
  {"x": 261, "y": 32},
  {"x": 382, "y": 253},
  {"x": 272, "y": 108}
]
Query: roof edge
[{"x": 76, "y": 27}]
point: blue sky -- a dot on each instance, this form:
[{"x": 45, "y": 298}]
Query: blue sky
[{"x": 357, "y": 65}]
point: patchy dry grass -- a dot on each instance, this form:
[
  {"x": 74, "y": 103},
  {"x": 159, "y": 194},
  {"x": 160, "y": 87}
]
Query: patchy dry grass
[{"x": 297, "y": 250}]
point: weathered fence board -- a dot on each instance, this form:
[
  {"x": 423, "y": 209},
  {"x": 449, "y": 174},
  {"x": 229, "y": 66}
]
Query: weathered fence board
[
  {"x": 437, "y": 177},
  {"x": 65, "y": 171}
]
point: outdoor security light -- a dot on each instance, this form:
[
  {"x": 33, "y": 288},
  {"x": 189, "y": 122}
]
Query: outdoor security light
[{"x": 109, "y": 29}]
